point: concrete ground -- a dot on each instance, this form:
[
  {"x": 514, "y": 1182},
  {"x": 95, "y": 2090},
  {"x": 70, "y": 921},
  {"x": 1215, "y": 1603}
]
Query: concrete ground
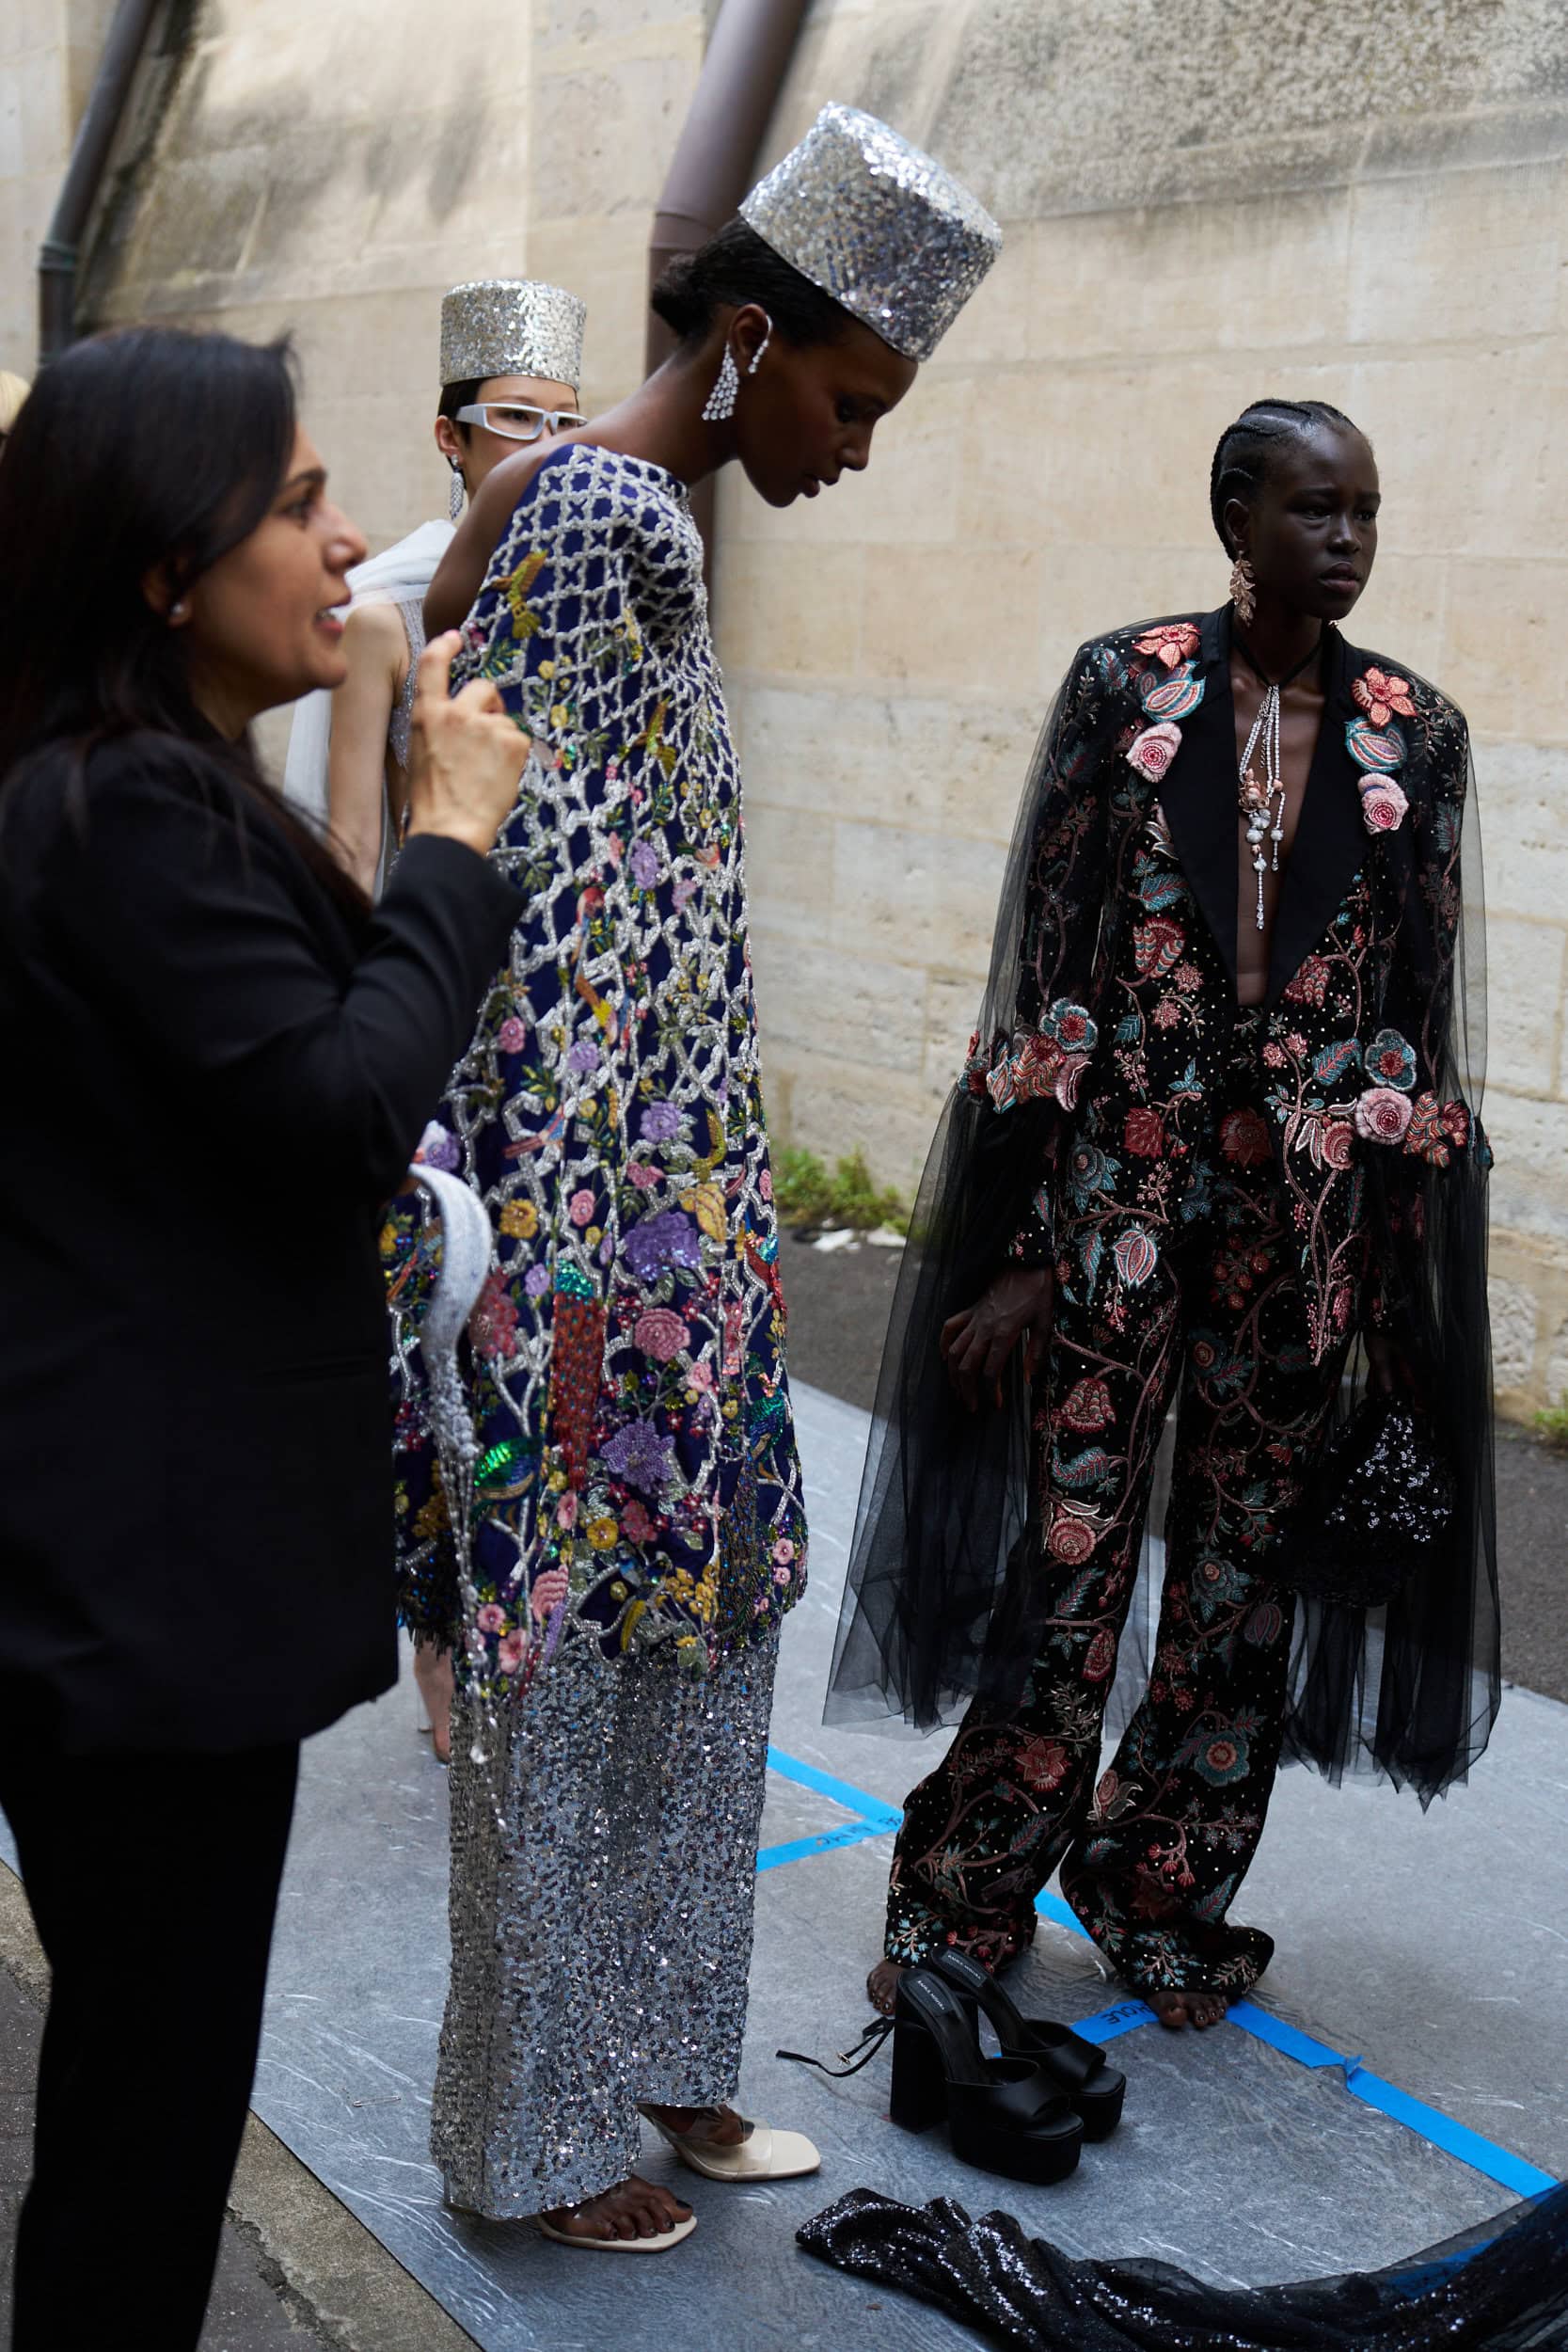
[
  {"x": 298, "y": 2269},
  {"x": 1305, "y": 2166}
]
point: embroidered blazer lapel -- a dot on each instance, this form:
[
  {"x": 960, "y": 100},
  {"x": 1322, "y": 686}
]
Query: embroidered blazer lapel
[
  {"x": 1198, "y": 791},
  {"x": 1331, "y": 842}
]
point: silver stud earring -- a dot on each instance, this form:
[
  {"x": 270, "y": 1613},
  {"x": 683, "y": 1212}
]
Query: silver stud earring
[
  {"x": 179, "y": 609},
  {"x": 725, "y": 392},
  {"x": 455, "y": 495},
  {"x": 756, "y": 355}
]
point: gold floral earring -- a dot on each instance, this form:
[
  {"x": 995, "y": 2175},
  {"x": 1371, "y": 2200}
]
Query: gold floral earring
[{"x": 1243, "y": 590}]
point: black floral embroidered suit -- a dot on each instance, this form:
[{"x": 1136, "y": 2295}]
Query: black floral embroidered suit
[{"x": 1230, "y": 1197}]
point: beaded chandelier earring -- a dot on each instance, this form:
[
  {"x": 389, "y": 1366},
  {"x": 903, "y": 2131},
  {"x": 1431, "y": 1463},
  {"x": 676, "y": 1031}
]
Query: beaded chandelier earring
[{"x": 720, "y": 407}]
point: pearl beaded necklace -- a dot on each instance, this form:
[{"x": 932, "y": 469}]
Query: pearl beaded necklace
[{"x": 1263, "y": 803}]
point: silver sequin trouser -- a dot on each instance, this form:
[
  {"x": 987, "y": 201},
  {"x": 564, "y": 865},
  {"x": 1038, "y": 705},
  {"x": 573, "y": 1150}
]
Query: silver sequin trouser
[{"x": 602, "y": 1957}]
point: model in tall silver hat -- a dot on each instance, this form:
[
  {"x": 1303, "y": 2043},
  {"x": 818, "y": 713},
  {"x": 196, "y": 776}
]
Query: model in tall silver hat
[
  {"x": 638, "y": 1530},
  {"x": 511, "y": 362}
]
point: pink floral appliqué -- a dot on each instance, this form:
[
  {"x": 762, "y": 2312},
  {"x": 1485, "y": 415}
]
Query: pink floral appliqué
[
  {"x": 1171, "y": 642},
  {"x": 1384, "y": 806},
  {"x": 1381, "y": 1115},
  {"x": 1381, "y": 694},
  {"x": 1152, "y": 752}
]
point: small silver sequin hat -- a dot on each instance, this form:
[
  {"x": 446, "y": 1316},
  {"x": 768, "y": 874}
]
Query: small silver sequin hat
[
  {"x": 881, "y": 226},
  {"x": 512, "y": 326}
]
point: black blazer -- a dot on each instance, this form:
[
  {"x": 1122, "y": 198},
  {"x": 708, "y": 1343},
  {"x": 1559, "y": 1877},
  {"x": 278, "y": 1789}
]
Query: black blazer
[{"x": 211, "y": 1076}]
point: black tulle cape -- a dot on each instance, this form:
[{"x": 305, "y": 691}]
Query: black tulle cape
[{"x": 941, "y": 1604}]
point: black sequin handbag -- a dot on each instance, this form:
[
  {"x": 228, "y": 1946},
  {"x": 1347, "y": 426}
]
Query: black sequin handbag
[{"x": 1380, "y": 1511}]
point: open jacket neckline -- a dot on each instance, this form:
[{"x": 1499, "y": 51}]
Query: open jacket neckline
[{"x": 1198, "y": 797}]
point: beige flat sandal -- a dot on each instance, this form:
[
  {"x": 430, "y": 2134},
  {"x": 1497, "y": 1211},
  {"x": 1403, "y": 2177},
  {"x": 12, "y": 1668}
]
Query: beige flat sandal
[
  {"x": 763, "y": 2154},
  {"x": 660, "y": 2245}
]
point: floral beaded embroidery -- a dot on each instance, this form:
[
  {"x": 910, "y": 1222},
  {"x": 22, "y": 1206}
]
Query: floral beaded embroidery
[
  {"x": 639, "y": 1479},
  {"x": 1378, "y": 746}
]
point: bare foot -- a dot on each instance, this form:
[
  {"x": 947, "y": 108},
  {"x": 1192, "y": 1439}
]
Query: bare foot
[
  {"x": 1176, "y": 2008},
  {"x": 882, "y": 1985},
  {"x": 721, "y": 2125},
  {"x": 433, "y": 1673},
  {"x": 633, "y": 2209}
]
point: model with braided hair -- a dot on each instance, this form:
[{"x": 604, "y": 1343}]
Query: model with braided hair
[{"x": 1215, "y": 1147}]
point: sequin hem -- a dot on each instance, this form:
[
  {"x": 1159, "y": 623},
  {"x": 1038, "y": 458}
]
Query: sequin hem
[{"x": 600, "y": 1953}]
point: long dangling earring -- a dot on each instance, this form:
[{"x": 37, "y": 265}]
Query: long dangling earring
[
  {"x": 725, "y": 392},
  {"x": 455, "y": 495},
  {"x": 1243, "y": 590}
]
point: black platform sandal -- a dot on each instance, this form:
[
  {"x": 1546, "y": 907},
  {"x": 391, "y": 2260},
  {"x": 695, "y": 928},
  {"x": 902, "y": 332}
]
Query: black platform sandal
[
  {"x": 1074, "y": 2066},
  {"x": 1003, "y": 2114}
]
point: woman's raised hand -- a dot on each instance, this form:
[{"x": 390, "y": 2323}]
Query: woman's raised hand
[
  {"x": 977, "y": 1341},
  {"x": 465, "y": 754}
]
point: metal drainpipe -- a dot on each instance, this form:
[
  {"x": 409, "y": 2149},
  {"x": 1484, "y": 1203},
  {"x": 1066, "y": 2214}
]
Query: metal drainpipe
[
  {"x": 95, "y": 135},
  {"x": 747, "y": 57}
]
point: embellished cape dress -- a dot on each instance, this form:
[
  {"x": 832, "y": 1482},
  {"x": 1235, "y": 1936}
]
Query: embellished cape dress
[{"x": 637, "y": 1529}]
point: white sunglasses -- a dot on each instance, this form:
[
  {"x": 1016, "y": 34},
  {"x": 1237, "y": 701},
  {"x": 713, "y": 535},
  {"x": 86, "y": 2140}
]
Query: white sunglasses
[{"x": 515, "y": 421}]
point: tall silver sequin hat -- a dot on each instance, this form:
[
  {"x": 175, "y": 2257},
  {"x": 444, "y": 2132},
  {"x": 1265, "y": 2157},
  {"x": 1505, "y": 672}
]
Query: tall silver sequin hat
[
  {"x": 512, "y": 326},
  {"x": 881, "y": 226}
]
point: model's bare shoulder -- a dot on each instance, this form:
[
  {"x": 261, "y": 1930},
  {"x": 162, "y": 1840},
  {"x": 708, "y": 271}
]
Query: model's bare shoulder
[{"x": 374, "y": 637}]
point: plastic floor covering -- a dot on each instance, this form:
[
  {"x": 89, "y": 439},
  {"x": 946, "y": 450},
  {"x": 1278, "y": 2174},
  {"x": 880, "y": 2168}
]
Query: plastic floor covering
[{"x": 1402, "y": 2073}]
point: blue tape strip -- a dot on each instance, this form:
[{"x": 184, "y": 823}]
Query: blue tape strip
[
  {"x": 871, "y": 1809},
  {"x": 1265, "y": 2027},
  {"x": 1440, "y": 2131},
  {"x": 1053, "y": 1907},
  {"x": 798, "y": 1849},
  {"x": 1107, "y": 2023}
]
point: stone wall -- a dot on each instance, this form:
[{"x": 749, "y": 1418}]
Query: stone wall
[
  {"x": 332, "y": 171},
  {"x": 48, "y": 55},
  {"x": 1363, "y": 202}
]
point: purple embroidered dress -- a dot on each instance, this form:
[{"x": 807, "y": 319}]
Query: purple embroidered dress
[
  {"x": 639, "y": 1480},
  {"x": 637, "y": 1524}
]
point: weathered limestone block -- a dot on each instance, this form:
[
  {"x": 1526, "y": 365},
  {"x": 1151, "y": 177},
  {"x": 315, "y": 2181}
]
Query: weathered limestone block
[
  {"x": 848, "y": 1009},
  {"x": 1525, "y": 999},
  {"x": 1513, "y": 1334},
  {"x": 1530, "y": 1141}
]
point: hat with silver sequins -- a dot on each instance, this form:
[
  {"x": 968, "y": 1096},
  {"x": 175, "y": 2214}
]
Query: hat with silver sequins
[
  {"x": 881, "y": 226},
  {"x": 512, "y": 326}
]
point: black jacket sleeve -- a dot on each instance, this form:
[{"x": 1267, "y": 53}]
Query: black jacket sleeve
[{"x": 190, "y": 918}]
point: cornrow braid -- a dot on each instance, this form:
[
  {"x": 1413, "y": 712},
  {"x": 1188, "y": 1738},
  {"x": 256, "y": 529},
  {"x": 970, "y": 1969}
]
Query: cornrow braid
[{"x": 1246, "y": 449}]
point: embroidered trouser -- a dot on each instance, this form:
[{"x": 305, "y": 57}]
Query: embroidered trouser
[{"x": 1151, "y": 1859}]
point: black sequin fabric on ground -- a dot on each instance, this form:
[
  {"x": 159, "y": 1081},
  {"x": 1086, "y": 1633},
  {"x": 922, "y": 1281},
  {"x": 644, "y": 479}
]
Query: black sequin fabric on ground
[{"x": 1503, "y": 2287}]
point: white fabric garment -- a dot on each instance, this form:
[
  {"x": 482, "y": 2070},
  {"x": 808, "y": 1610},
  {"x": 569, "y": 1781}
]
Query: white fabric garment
[{"x": 400, "y": 574}]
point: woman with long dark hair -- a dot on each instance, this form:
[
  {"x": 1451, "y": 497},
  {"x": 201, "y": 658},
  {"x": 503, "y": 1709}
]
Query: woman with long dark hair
[
  {"x": 638, "y": 1529},
  {"x": 1216, "y": 1146},
  {"x": 200, "y": 1019}
]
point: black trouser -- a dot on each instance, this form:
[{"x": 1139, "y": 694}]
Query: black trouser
[{"x": 153, "y": 1881}]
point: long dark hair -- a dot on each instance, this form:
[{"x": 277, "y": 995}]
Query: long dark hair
[{"x": 141, "y": 451}]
